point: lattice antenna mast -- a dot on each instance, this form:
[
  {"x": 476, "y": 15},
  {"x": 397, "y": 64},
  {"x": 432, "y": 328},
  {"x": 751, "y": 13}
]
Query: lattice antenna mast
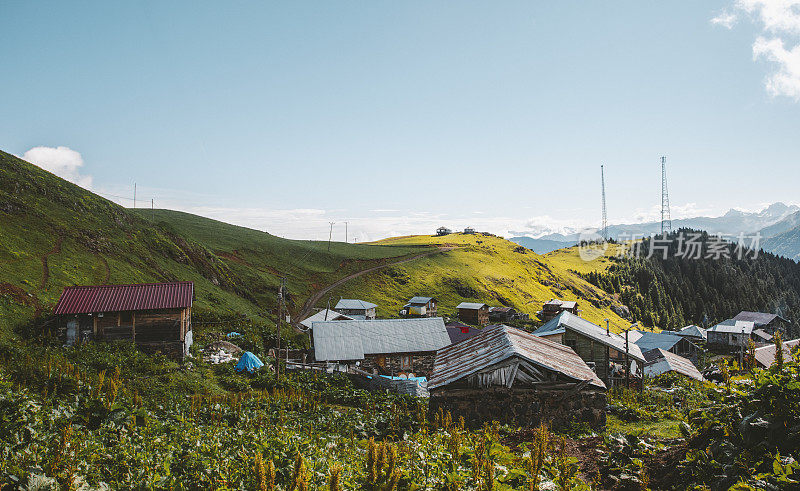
[
  {"x": 666, "y": 221},
  {"x": 604, "y": 226}
]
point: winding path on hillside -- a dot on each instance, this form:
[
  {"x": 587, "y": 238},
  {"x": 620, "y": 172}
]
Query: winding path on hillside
[{"x": 306, "y": 310}]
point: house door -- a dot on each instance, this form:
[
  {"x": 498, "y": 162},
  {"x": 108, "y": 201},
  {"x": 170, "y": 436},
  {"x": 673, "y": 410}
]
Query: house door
[{"x": 72, "y": 331}]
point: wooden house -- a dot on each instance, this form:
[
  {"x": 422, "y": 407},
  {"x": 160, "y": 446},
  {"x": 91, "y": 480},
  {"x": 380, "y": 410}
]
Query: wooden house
[
  {"x": 554, "y": 307},
  {"x": 442, "y": 231},
  {"x": 730, "y": 333},
  {"x": 469, "y": 231},
  {"x": 154, "y": 316},
  {"x": 770, "y": 323},
  {"x": 667, "y": 341},
  {"x": 504, "y": 314},
  {"x": 509, "y": 375},
  {"x": 613, "y": 358},
  {"x": 383, "y": 346},
  {"x": 357, "y": 309},
  {"x": 476, "y": 314},
  {"x": 419, "y": 307},
  {"x": 765, "y": 355}
]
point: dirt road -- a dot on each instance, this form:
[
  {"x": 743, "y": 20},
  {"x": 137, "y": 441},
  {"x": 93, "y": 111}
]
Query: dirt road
[{"x": 309, "y": 305}]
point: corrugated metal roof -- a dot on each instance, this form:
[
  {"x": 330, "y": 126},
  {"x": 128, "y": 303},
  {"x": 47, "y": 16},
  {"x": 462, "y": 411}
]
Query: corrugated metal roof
[
  {"x": 498, "y": 343},
  {"x": 692, "y": 331},
  {"x": 592, "y": 331},
  {"x": 662, "y": 361},
  {"x": 324, "y": 315},
  {"x": 765, "y": 355},
  {"x": 352, "y": 303},
  {"x": 420, "y": 300},
  {"x": 119, "y": 298},
  {"x": 352, "y": 339},
  {"x": 656, "y": 340},
  {"x": 733, "y": 326},
  {"x": 758, "y": 318},
  {"x": 471, "y": 305}
]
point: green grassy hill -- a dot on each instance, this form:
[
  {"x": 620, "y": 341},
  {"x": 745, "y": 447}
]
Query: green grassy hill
[
  {"x": 54, "y": 234},
  {"x": 480, "y": 268}
]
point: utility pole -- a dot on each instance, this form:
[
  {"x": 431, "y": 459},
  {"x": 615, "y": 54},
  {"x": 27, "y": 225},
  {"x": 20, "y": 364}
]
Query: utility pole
[
  {"x": 330, "y": 236},
  {"x": 278, "y": 328},
  {"x": 627, "y": 359},
  {"x": 134, "y": 195}
]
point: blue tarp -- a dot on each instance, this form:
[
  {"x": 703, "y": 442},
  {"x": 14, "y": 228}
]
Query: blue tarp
[
  {"x": 233, "y": 334},
  {"x": 417, "y": 379},
  {"x": 249, "y": 362}
]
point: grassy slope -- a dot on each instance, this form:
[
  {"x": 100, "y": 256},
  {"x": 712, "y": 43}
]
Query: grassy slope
[
  {"x": 481, "y": 268},
  {"x": 54, "y": 234}
]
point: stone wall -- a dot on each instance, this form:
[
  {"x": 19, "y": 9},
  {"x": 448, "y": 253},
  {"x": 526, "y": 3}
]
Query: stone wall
[
  {"x": 421, "y": 364},
  {"x": 522, "y": 407}
]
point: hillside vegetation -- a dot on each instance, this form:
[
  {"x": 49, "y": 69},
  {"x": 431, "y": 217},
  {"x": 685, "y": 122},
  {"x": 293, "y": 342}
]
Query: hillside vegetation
[
  {"x": 54, "y": 234},
  {"x": 480, "y": 268},
  {"x": 674, "y": 292}
]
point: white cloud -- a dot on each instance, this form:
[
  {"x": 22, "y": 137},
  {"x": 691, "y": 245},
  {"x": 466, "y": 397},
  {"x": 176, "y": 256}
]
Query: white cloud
[
  {"x": 779, "y": 21},
  {"x": 725, "y": 19},
  {"x": 777, "y": 16},
  {"x": 786, "y": 80},
  {"x": 61, "y": 161}
]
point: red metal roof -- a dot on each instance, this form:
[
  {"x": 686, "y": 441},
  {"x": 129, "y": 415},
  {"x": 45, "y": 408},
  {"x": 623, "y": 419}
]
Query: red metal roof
[{"x": 117, "y": 298}]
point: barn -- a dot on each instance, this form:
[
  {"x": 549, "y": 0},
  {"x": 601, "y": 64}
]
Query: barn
[
  {"x": 154, "y": 316},
  {"x": 514, "y": 377}
]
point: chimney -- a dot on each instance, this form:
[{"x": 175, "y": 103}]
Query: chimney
[{"x": 608, "y": 331}]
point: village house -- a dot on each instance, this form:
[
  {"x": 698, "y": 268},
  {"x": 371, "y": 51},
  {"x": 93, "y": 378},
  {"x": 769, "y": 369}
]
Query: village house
[
  {"x": 660, "y": 361},
  {"x": 324, "y": 315},
  {"x": 458, "y": 331},
  {"x": 441, "y": 231},
  {"x": 553, "y": 307},
  {"x": 771, "y": 323},
  {"x": 357, "y": 309},
  {"x": 419, "y": 307},
  {"x": 667, "y": 341},
  {"x": 154, "y": 316},
  {"x": 693, "y": 333},
  {"x": 508, "y": 375},
  {"x": 504, "y": 314},
  {"x": 469, "y": 231},
  {"x": 600, "y": 348},
  {"x": 765, "y": 355},
  {"x": 476, "y": 314},
  {"x": 730, "y": 333},
  {"x": 383, "y": 346}
]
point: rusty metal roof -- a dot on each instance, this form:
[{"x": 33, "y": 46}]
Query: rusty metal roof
[
  {"x": 497, "y": 343},
  {"x": 119, "y": 298}
]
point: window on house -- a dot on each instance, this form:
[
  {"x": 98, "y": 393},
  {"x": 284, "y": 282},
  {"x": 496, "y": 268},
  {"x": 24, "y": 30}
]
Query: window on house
[
  {"x": 405, "y": 362},
  {"x": 126, "y": 318}
]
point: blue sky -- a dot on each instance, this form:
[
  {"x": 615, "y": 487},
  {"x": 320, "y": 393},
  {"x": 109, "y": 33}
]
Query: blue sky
[{"x": 399, "y": 116}]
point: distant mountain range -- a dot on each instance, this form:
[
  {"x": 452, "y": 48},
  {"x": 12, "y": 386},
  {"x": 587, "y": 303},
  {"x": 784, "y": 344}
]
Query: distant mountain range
[{"x": 778, "y": 224}]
